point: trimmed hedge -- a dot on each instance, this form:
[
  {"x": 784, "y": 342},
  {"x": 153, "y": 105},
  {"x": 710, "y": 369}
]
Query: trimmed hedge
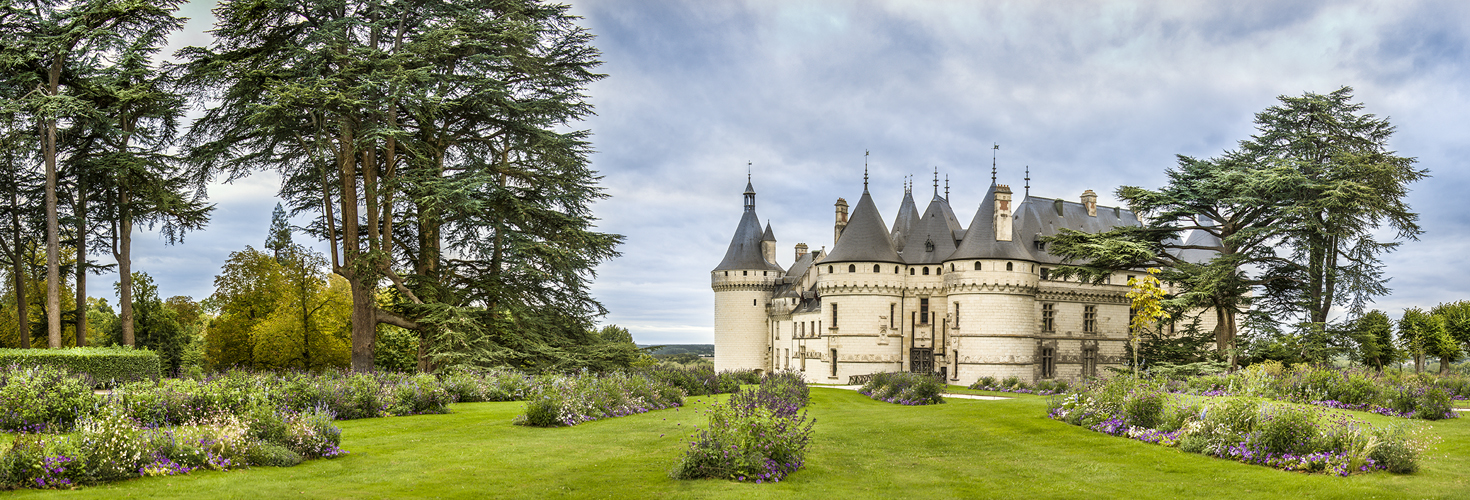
[{"x": 108, "y": 366}]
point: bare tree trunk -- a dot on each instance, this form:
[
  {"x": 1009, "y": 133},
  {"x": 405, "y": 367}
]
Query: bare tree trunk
[
  {"x": 20, "y": 254},
  {"x": 81, "y": 317},
  {"x": 53, "y": 230},
  {"x": 125, "y": 272}
]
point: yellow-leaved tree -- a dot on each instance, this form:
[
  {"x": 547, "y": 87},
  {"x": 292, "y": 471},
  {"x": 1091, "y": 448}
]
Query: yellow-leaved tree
[{"x": 1147, "y": 295}]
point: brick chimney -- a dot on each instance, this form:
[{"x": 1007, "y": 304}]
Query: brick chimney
[
  {"x": 841, "y": 220},
  {"x": 1002, "y": 220},
  {"x": 1089, "y": 200},
  {"x": 800, "y": 250}
]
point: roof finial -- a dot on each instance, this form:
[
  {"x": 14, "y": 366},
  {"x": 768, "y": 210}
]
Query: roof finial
[
  {"x": 936, "y": 181},
  {"x": 946, "y": 187},
  {"x": 865, "y": 170},
  {"x": 992, "y": 162},
  {"x": 747, "y": 171},
  {"x": 1028, "y": 180}
]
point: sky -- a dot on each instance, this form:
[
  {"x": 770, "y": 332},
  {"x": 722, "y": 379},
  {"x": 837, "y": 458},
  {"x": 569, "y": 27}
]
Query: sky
[{"x": 1087, "y": 95}]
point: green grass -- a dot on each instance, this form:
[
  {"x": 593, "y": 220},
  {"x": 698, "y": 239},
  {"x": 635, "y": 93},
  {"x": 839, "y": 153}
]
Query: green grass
[{"x": 862, "y": 449}]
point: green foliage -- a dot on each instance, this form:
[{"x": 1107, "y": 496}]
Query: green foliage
[
  {"x": 396, "y": 349},
  {"x": 281, "y": 312},
  {"x": 566, "y": 400},
  {"x": 105, "y": 366},
  {"x": 42, "y": 398},
  {"x": 1373, "y": 334},
  {"x": 757, "y": 435},
  {"x": 904, "y": 388},
  {"x": 156, "y": 326}
]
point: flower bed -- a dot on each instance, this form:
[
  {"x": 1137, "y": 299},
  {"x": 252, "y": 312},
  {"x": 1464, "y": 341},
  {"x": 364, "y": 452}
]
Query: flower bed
[
  {"x": 1281, "y": 435},
  {"x": 904, "y": 388},
  {"x": 565, "y": 400},
  {"x": 1015, "y": 385},
  {"x": 1406, "y": 395},
  {"x": 109, "y": 445},
  {"x": 759, "y": 434}
]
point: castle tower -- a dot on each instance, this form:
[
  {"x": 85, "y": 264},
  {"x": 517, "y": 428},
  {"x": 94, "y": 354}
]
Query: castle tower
[
  {"x": 743, "y": 284},
  {"x": 859, "y": 285},
  {"x": 992, "y": 294}
]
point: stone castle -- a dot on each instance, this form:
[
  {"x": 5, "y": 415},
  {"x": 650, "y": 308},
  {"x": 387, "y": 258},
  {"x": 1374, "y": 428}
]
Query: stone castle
[{"x": 929, "y": 295}]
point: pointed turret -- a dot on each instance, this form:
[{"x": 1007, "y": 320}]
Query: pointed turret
[
  {"x": 865, "y": 239},
  {"x": 746, "y": 252},
  {"x": 908, "y": 215},
  {"x": 983, "y": 240},
  {"x": 933, "y": 236},
  {"x": 768, "y": 245}
]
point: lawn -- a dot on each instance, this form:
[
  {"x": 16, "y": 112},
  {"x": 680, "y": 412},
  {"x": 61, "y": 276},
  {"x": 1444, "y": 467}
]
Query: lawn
[{"x": 862, "y": 449}]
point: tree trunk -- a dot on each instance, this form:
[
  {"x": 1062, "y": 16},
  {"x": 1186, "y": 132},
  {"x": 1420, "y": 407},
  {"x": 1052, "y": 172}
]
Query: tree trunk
[
  {"x": 364, "y": 321},
  {"x": 81, "y": 317},
  {"x": 53, "y": 230},
  {"x": 125, "y": 272},
  {"x": 20, "y": 255}
]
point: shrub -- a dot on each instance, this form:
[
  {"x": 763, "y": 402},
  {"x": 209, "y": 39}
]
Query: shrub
[
  {"x": 35, "y": 398},
  {"x": 756, "y": 435},
  {"x": 272, "y": 455},
  {"x": 106, "y": 366},
  {"x": 573, "y": 399},
  {"x": 1144, "y": 408},
  {"x": 904, "y": 388}
]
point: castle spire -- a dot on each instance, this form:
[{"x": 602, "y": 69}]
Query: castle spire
[
  {"x": 992, "y": 162},
  {"x": 865, "y": 170},
  {"x": 1028, "y": 180},
  {"x": 946, "y": 187},
  {"x": 936, "y": 181},
  {"x": 749, "y": 190}
]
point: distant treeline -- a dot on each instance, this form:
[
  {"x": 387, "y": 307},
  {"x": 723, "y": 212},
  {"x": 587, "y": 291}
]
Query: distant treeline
[{"x": 668, "y": 349}]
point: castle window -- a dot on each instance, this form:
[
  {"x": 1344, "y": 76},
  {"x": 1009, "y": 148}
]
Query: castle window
[
  {"x": 834, "y": 362},
  {"x": 926, "y": 270},
  {"x": 727, "y": 273},
  {"x": 938, "y": 269},
  {"x": 765, "y": 273},
  {"x": 829, "y": 269},
  {"x": 1048, "y": 362},
  {"x": 977, "y": 265},
  {"x": 745, "y": 273},
  {"x": 875, "y": 268},
  {"x": 951, "y": 267},
  {"x": 923, "y": 311},
  {"x": 752, "y": 302},
  {"x": 1040, "y": 245},
  {"x": 911, "y": 271},
  {"x": 1089, "y": 361},
  {"x": 834, "y": 315},
  {"x": 895, "y": 269},
  {"x": 1045, "y": 272},
  {"x": 1010, "y": 266},
  {"x": 956, "y": 314},
  {"x": 1089, "y": 319},
  {"x": 892, "y": 309},
  {"x": 1131, "y": 314},
  {"x": 852, "y": 268},
  {"x": 1048, "y": 318}
]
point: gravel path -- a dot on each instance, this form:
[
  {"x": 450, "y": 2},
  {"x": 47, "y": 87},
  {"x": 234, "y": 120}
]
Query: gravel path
[{"x": 947, "y": 395}]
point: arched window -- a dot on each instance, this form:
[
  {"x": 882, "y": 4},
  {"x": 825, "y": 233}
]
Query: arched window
[
  {"x": 911, "y": 271},
  {"x": 951, "y": 267},
  {"x": 875, "y": 268},
  {"x": 977, "y": 265},
  {"x": 1010, "y": 266},
  {"x": 829, "y": 269},
  {"x": 852, "y": 268},
  {"x": 895, "y": 269},
  {"x": 926, "y": 270}
]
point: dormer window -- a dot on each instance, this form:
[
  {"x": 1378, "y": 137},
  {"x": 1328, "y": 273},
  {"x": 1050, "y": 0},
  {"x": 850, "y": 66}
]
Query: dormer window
[
  {"x": 1040, "y": 245},
  {"x": 929, "y": 245}
]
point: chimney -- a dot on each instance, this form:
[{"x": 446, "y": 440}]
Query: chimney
[
  {"x": 1089, "y": 200},
  {"x": 841, "y": 220},
  {"x": 1002, "y": 220},
  {"x": 800, "y": 250}
]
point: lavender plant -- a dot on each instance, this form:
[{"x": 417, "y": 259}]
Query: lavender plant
[
  {"x": 904, "y": 388},
  {"x": 759, "y": 434}
]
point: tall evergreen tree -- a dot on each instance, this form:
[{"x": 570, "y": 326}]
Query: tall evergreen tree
[
  {"x": 426, "y": 136},
  {"x": 1352, "y": 185},
  {"x": 278, "y": 239}
]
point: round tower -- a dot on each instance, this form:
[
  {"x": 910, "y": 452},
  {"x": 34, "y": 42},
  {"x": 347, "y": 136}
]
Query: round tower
[
  {"x": 743, "y": 284},
  {"x": 992, "y": 293}
]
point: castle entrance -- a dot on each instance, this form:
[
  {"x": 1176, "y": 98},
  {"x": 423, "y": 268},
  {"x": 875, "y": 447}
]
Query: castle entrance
[{"x": 921, "y": 360}]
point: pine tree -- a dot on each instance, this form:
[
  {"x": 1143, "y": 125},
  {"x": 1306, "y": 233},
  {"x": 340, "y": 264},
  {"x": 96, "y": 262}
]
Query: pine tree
[{"x": 278, "y": 240}]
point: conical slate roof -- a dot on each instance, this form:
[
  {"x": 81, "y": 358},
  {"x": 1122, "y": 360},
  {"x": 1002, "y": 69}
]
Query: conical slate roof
[
  {"x": 980, "y": 242},
  {"x": 933, "y": 236},
  {"x": 769, "y": 236},
  {"x": 865, "y": 239},
  {"x": 908, "y": 214},
  {"x": 745, "y": 248}
]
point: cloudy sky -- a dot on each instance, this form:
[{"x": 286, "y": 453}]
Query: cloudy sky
[{"x": 1089, "y": 95}]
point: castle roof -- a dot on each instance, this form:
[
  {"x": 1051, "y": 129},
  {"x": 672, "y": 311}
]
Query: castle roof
[
  {"x": 1200, "y": 237},
  {"x": 865, "y": 239},
  {"x": 908, "y": 215},
  {"x": 745, "y": 248},
  {"x": 769, "y": 235},
  {"x": 933, "y": 236},
  {"x": 1051, "y": 215},
  {"x": 980, "y": 242}
]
